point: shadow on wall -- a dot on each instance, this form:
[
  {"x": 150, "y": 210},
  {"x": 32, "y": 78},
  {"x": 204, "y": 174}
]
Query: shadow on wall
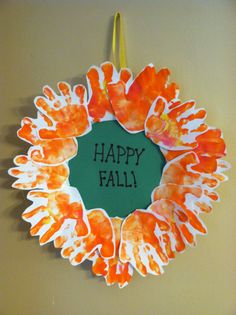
[{"x": 9, "y": 136}]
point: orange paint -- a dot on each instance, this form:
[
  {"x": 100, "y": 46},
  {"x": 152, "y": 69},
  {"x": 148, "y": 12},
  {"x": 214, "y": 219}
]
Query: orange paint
[
  {"x": 131, "y": 107},
  {"x": 167, "y": 209},
  {"x": 210, "y": 147},
  {"x": 56, "y": 211},
  {"x": 179, "y": 171},
  {"x": 46, "y": 151},
  {"x": 167, "y": 127},
  {"x": 67, "y": 113},
  {"x": 177, "y": 194},
  {"x": 99, "y": 103},
  {"x": 139, "y": 231},
  {"x": 53, "y": 177},
  {"x": 101, "y": 237},
  {"x": 113, "y": 269}
]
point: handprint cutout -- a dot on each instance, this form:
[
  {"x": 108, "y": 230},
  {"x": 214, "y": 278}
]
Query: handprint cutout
[
  {"x": 32, "y": 175},
  {"x": 101, "y": 238},
  {"x": 131, "y": 102},
  {"x": 113, "y": 269},
  {"x": 98, "y": 78},
  {"x": 174, "y": 126},
  {"x": 67, "y": 113},
  {"x": 53, "y": 212},
  {"x": 141, "y": 243},
  {"x": 48, "y": 152}
]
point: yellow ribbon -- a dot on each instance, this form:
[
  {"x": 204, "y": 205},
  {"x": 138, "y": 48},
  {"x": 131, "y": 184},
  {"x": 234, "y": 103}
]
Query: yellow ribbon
[{"x": 122, "y": 54}]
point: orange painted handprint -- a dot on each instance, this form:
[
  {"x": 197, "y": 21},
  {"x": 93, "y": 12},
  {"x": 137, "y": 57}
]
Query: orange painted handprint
[
  {"x": 55, "y": 151},
  {"x": 173, "y": 239},
  {"x": 181, "y": 171},
  {"x": 174, "y": 126},
  {"x": 67, "y": 113},
  {"x": 31, "y": 175},
  {"x": 113, "y": 269},
  {"x": 210, "y": 148},
  {"x": 131, "y": 102},
  {"x": 141, "y": 243},
  {"x": 101, "y": 238},
  {"x": 98, "y": 78},
  {"x": 186, "y": 198},
  {"x": 53, "y": 212}
]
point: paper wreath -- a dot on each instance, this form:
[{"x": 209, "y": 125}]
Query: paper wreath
[{"x": 145, "y": 239}]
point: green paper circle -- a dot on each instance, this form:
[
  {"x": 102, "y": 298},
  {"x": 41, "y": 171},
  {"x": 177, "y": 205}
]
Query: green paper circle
[{"x": 95, "y": 188}]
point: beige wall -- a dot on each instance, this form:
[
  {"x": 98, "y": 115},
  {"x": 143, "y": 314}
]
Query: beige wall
[{"x": 46, "y": 41}]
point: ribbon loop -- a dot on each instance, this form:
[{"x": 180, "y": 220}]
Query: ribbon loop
[{"x": 121, "y": 63}]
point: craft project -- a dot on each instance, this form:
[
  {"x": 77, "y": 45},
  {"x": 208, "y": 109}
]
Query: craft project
[{"x": 120, "y": 171}]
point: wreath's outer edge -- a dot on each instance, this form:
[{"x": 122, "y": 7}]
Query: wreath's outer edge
[{"x": 170, "y": 222}]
